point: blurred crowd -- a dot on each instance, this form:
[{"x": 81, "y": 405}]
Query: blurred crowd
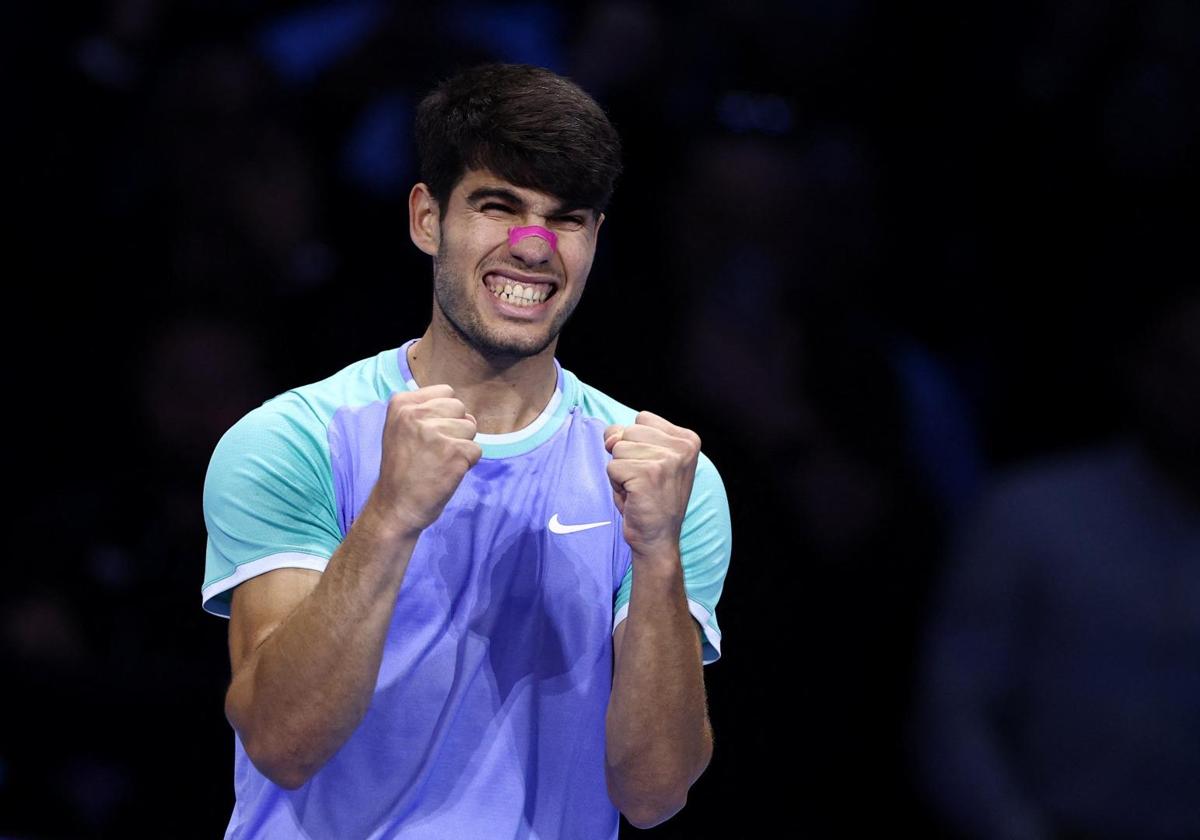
[{"x": 923, "y": 279}]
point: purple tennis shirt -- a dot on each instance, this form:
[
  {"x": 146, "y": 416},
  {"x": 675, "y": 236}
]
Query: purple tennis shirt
[{"x": 488, "y": 714}]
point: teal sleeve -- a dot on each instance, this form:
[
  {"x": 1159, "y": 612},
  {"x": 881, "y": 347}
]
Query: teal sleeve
[
  {"x": 705, "y": 544},
  {"x": 268, "y": 499}
]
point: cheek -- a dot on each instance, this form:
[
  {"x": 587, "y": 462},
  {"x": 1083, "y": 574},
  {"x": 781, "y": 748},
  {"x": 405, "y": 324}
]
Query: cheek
[
  {"x": 578, "y": 262},
  {"x": 464, "y": 262},
  {"x": 479, "y": 236},
  {"x": 487, "y": 233}
]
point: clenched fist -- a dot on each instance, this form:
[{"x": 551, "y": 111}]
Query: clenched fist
[
  {"x": 651, "y": 472},
  {"x": 427, "y": 448}
]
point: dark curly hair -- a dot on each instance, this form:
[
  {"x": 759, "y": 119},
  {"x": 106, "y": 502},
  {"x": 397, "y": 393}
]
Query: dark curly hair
[{"x": 528, "y": 125}]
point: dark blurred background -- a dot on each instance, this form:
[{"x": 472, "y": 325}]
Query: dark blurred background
[{"x": 922, "y": 278}]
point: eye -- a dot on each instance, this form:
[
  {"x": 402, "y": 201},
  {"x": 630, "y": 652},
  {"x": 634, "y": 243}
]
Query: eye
[
  {"x": 570, "y": 221},
  {"x": 495, "y": 205}
]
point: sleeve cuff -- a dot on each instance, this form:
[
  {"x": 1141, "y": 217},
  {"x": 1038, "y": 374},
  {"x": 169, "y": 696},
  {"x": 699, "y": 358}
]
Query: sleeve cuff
[
  {"x": 712, "y": 638},
  {"x": 210, "y": 595}
]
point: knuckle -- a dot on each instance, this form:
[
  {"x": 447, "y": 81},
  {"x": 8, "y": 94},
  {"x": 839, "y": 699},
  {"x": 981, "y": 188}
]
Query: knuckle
[
  {"x": 429, "y": 433},
  {"x": 404, "y": 414},
  {"x": 411, "y": 403}
]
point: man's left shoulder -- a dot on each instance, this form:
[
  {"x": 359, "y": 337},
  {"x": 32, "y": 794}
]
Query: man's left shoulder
[{"x": 593, "y": 402}]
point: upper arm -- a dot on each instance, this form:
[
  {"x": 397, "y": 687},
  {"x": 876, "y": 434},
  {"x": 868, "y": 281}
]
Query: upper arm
[
  {"x": 619, "y": 639},
  {"x": 260, "y": 605}
]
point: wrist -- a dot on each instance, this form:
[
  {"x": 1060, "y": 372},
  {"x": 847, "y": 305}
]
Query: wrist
[
  {"x": 386, "y": 525},
  {"x": 661, "y": 557}
]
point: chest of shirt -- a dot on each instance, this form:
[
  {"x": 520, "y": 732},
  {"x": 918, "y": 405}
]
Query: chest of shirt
[{"x": 540, "y": 522}]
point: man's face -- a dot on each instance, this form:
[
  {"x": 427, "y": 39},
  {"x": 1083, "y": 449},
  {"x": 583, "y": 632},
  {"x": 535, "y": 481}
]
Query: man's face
[{"x": 509, "y": 301}]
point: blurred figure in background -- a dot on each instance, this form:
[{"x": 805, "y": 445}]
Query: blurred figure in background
[{"x": 1060, "y": 695}]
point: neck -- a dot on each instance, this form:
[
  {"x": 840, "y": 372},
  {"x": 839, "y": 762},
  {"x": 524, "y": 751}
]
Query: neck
[{"x": 503, "y": 395}]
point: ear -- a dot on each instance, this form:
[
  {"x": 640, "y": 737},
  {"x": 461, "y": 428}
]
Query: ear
[{"x": 424, "y": 223}]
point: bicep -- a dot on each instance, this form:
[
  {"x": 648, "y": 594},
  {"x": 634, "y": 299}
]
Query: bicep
[{"x": 260, "y": 605}]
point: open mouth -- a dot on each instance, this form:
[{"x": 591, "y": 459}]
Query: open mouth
[{"x": 518, "y": 293}]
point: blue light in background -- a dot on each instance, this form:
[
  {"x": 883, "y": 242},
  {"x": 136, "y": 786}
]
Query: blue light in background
[
  {"x": 377, "y": 154},
  {"x": 525, "y": 33},
  {"x": 755, "y": 113},
  {"x": 301, "y": 44}
]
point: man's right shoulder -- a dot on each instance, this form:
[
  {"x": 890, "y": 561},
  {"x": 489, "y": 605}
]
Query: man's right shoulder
[
  {"x": 269, "y": 498},
  {"x": 294, "y": 425}
]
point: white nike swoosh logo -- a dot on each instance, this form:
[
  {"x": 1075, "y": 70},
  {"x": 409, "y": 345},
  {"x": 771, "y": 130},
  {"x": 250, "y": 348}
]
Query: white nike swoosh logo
[{"x": 557, "y": 527}]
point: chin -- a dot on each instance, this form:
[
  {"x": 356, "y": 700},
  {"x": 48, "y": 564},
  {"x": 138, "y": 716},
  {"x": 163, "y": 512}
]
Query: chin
[
  {"x": 497, "y": 346},
  {"x": 496, "y": 338},
  {"x": 512, "y": 349}
]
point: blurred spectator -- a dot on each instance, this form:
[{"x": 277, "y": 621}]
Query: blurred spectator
[{"x": 1060, "y": 695}]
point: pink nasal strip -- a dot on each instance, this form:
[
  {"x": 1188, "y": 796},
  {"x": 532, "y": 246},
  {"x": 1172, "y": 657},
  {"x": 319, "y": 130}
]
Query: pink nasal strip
[{"x": 518, "y": 233}]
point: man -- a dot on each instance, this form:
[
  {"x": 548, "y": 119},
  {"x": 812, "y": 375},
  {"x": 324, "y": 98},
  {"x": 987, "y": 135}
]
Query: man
[{"x": 423, "y": 556}]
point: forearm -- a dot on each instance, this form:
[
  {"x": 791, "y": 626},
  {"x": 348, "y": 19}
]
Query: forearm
[
  {"x": 658, "y": 738},
  {"x": 304, "y": 690}
]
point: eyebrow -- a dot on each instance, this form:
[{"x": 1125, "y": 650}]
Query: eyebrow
[{"x": 510, "y": 197}]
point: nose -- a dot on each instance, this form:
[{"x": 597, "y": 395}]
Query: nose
[{"x": 532, "y": 245}]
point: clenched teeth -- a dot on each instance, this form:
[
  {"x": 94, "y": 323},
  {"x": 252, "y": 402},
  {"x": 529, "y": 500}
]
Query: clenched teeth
[{"x": 519, "y": 294}]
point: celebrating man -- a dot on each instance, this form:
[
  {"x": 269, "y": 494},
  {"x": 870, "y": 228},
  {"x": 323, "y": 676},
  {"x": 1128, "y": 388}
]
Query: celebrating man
[{"x": 469, "y": 595}]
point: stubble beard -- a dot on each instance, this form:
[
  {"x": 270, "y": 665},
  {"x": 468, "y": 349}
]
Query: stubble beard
[{"x": 453, "y": 296}]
